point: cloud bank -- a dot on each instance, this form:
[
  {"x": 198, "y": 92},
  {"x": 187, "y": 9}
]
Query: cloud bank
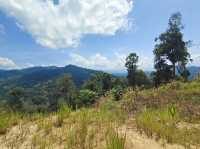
[
  {"x": 63, "y": 25},
  {"x": 6, "y": 63}
]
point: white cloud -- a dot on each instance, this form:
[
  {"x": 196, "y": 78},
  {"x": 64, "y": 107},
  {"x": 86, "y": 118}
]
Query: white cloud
[
  {"x": 63, "y": 25},
  {"x": 99, "y": 62},
  {"x": 114, "y": 63},
  {"x": 6, "y": 63}
]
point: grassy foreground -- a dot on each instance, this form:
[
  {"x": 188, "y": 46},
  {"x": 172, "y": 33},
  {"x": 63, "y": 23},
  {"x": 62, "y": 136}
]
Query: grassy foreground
[
  {"x": 170, "y": 114},
  {"x": 81, "y": 129}
]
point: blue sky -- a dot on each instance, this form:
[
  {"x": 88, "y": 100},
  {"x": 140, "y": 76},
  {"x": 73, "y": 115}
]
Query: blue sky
[{"x": 94, "y": 47}]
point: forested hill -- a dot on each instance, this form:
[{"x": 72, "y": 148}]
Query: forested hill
[{"x": 36, "y": 75}]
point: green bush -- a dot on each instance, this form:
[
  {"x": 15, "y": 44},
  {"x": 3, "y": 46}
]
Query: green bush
[
  {"x": 117, "y": 93},
  {"x": 86, "y": 98}
]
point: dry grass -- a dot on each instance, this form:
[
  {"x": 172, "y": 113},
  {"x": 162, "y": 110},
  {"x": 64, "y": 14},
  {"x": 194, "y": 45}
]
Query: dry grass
[
  {"x": 81, "y": 129},
  {"x": 158, "y": 113}
]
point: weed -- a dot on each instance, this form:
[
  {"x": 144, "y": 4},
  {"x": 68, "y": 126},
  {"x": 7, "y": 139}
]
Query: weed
[{"x": 114, "y": 140}]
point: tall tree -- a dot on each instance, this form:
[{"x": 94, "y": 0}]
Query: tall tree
[
  {"x": 131, "y": 65},
  {"x": 171, "y": 49},
  {"x": 66, "y": 89}
]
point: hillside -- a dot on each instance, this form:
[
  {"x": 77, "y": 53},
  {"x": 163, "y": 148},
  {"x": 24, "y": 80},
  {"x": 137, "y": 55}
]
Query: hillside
[
  {"x": 162, "y": 118},
  {"x": 32, "y": 76}
]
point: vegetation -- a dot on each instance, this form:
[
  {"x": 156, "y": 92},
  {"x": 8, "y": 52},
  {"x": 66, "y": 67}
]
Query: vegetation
[
  {"x": 131, "y": 65},
  {"x": 171, "y": 50}
]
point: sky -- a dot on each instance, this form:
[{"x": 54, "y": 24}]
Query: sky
[{"x": 96, "y": 34}]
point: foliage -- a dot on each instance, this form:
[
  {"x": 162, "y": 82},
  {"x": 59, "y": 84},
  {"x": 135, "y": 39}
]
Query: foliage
[
  {"x": 86, "y": 98},
  {"x": 99, "y": 83},
  {"x": 117, "y": 92},
  {"x": 131, "y": 65},
  {"x": 142, "y": 79},
  {"x": 66, "y": 89},
  {"x": 16, "y": 97},
  {"x": 171, "y": 50}
]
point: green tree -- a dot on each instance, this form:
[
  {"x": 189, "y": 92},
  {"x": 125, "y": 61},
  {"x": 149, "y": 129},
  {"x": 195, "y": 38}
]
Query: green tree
[
  {"x": 66, "y": 90},
  {"x": 119, "y": 81},
  {"x": 16, "y": 98},
  {"x": 131, "y": 65},
  {"x": 142, "y": 79},
  {"x": 171, "y": 49},
  {"x": 99, "y": 83},
  {"x": 163, "y": 72}
]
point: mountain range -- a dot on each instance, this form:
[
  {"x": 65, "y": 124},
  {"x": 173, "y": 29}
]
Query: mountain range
[
  {"x": 194, "y": 71},
  {"x": 37, "y": 75},
  {"x": 30, "y": 77}
]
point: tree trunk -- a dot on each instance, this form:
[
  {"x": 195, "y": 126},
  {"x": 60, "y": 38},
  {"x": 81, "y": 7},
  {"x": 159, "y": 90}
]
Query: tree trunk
[{"x": 174, "y": 70}]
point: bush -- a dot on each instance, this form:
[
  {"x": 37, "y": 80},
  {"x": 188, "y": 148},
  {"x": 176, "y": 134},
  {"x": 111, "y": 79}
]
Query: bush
[
  {"x": 117, "y": 93},
  {"x": 86, "y": 98}
]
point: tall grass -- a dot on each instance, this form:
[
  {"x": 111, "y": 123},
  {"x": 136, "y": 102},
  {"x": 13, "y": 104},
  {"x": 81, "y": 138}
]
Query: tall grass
[
  {"x": 8, "y": 119},
  {"x": 63, "y": 113},
  {"x": 114, "y": 140},
  {"x": 163, "y": 124}
]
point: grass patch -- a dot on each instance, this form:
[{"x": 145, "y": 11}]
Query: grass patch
[
  {"x": 114, "y": 140},
  {"x": 163, "y": 124},
  {"x": 7, "y": 120}
]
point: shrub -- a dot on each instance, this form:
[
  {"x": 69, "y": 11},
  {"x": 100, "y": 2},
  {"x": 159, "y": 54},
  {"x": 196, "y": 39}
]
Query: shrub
[
  {"x": 117, "y": 93},
  {"x": 86, "y": 98}
]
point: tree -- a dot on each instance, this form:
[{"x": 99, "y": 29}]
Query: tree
[
  {"x": 16, "y": 98},
  {"x": 142, "y": 79},
  {"x": 171, "y": 49},
  {"x": 131, "y": 65},
  {"x": 163, "y": 72},
  {"x": 66, "y": 90},
  {"x": 99, "y": 83}
]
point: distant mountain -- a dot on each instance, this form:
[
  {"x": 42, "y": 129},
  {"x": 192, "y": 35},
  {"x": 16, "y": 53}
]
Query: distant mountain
[
  {"x": 120, "y": 74},
  {"x": 38, "y": 75},
  {"x": 124, "y": 74},
  {"x": 194, "y": 71}
]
